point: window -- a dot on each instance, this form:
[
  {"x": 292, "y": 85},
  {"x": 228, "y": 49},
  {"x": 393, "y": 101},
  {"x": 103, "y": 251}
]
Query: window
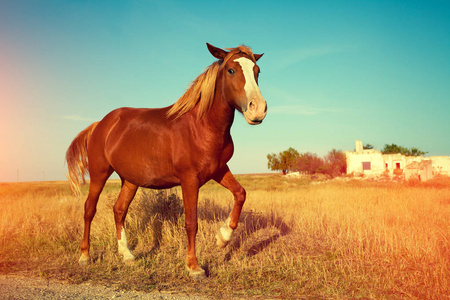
[
  {"x": 366, "y": 165},
  {"x": 397, "y": 166}
]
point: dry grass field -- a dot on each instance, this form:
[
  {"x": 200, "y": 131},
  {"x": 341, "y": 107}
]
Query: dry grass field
[{"x": 296, "y": 239}]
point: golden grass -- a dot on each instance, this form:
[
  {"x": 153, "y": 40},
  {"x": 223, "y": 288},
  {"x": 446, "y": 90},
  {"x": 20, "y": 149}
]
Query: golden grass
[{"x": 296, "y": 239}]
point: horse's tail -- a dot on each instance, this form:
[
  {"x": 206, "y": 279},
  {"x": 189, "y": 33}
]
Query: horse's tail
[{"x": 77, "y": 160}]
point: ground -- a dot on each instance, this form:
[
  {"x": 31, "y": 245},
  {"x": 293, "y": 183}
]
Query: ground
[{"x": 15, "y": 287}]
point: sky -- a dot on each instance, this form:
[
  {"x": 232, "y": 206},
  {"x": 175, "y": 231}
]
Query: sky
[{"x": 332, "y": 72}]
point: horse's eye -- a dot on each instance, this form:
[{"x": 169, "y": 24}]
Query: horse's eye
[{"x": 231, "y": 71}]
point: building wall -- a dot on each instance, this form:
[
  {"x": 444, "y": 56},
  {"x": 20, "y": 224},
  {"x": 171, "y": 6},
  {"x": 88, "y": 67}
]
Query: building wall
[
  {"x": 419, "y": 170},
  {"x": 355, "y": 162},
  {"x": 358, "y": 161},
  {"x": 441, "y": 164},
  {"x": 394, "y": 162}
]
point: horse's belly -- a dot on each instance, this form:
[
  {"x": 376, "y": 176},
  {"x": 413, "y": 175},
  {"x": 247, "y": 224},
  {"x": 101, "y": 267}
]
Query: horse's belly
[
  {"x": 161, "y": 183},
  {"x": 146, "y": 178},
  {"x": 144, "y": 171}
]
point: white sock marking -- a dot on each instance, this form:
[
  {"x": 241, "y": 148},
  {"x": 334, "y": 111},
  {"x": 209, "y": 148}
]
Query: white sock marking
[
  {"x": 226, "y": 231},
  {"x": 123, "y": 246}
]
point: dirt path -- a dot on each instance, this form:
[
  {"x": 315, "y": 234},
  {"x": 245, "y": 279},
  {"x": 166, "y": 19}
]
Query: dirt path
[{"x": 14, "y": 287}]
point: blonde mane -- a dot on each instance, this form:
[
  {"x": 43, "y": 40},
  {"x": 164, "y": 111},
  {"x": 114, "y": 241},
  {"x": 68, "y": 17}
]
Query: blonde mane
[{"x": 201, "y": 90}]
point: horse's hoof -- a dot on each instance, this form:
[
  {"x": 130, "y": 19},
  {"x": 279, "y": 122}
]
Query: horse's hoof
[
  {"x": 129, "y": 260},
  {"x": 221, "y": 241},
  {"x": 84, "y": 260},
  {"x": 197, "y": 274}
]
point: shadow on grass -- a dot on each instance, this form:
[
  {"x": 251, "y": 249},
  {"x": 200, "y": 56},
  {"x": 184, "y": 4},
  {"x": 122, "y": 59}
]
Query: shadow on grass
[
  {"x": 250, "y": 222},
  {"x": 156, "y": 208},
  {"x": 258, "y": 231},
  {"x": 255, "y": 232}
]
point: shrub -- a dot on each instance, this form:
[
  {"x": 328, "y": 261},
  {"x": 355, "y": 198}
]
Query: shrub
[
  {"x": 333, "y": 164},
  {"x": 309, "y": 163}
]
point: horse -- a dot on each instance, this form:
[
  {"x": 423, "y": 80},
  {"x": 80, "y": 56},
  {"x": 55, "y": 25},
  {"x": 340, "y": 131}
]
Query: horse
[{"x": 187, "y": 144}]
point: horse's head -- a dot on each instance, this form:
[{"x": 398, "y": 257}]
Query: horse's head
[{"x": 239, "y": 75}]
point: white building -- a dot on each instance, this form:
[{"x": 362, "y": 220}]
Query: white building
[{"x": 373, "y": 162}]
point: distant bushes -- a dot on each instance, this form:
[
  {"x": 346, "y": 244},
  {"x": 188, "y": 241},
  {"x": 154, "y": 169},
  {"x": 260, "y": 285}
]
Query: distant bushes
[
  {"x": 394, "y": 149},
  {"x": 310, "y": 163},
  {"x": 333, "y": 164}
]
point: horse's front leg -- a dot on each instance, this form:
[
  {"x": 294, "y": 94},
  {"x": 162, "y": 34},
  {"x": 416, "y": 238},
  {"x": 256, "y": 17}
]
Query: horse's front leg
[
  {"x": 190, "y": 197},
  {"x": 227, "y": 180}
]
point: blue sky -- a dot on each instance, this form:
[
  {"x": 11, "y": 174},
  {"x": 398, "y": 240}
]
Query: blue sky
[{"x": 333, "y": 72}]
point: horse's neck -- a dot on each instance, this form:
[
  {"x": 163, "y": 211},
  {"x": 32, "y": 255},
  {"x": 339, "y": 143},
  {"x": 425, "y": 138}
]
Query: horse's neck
[
  {"x": 214, "y": 126},
  {"x": 220, "y": 117}
]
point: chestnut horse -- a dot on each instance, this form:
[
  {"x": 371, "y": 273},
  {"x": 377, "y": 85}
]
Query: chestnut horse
[{"x": 187, "y": 144}]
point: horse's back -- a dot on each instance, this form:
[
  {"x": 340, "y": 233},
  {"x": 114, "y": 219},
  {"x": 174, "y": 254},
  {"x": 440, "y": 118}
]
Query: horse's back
[{"x": 137, "y": 144}]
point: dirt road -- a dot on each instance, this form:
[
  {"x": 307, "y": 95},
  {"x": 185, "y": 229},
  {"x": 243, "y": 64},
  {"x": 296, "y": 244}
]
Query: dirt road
[{"x": 14, "y": 287}]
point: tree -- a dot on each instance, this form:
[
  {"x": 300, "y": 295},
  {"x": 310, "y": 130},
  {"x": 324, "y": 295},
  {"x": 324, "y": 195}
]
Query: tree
[
  {"x": 335, "y": 163},
  {"x": 284, "y": 161},
  {"x": 415, "y": 152},
  {"x": 309, "y": 163},
  {"x": 368, "y": 146},
  {"x": 394, "y": 149}
]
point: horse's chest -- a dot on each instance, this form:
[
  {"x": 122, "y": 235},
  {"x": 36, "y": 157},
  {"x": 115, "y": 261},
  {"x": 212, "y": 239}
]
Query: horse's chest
[
  {"x": 227, "y": 152},
  {"x": 217, "y": 158}
]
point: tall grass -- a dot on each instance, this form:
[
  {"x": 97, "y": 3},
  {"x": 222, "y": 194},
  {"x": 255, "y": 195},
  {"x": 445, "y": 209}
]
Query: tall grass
[{"x": 296, "y": 239}]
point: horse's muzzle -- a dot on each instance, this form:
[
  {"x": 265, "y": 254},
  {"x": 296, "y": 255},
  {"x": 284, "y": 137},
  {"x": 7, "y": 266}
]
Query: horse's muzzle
[{"x": 256, "y": 111}]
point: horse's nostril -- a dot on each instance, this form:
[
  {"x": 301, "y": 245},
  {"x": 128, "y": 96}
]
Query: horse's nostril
[
  {"x": 265, "y": 109},
  {"x": 251, "y": 106}
]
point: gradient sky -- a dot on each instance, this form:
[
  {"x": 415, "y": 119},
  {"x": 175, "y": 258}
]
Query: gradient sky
[{"x": 333, "y": 72}]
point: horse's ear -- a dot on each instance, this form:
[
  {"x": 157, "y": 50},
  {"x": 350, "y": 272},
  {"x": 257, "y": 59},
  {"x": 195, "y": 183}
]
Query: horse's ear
[
  {"x": 258, "y": 56},
  {"x": 216, "y": 52}
]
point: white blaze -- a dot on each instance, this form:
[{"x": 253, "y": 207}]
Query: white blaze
[{"x": 250, "y": 87}]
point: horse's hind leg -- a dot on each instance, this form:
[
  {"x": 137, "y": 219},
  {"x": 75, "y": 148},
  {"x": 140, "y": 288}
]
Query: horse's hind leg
[
  {"x": 126, "y": 195},
  {"x": 90, "y": 208}
]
